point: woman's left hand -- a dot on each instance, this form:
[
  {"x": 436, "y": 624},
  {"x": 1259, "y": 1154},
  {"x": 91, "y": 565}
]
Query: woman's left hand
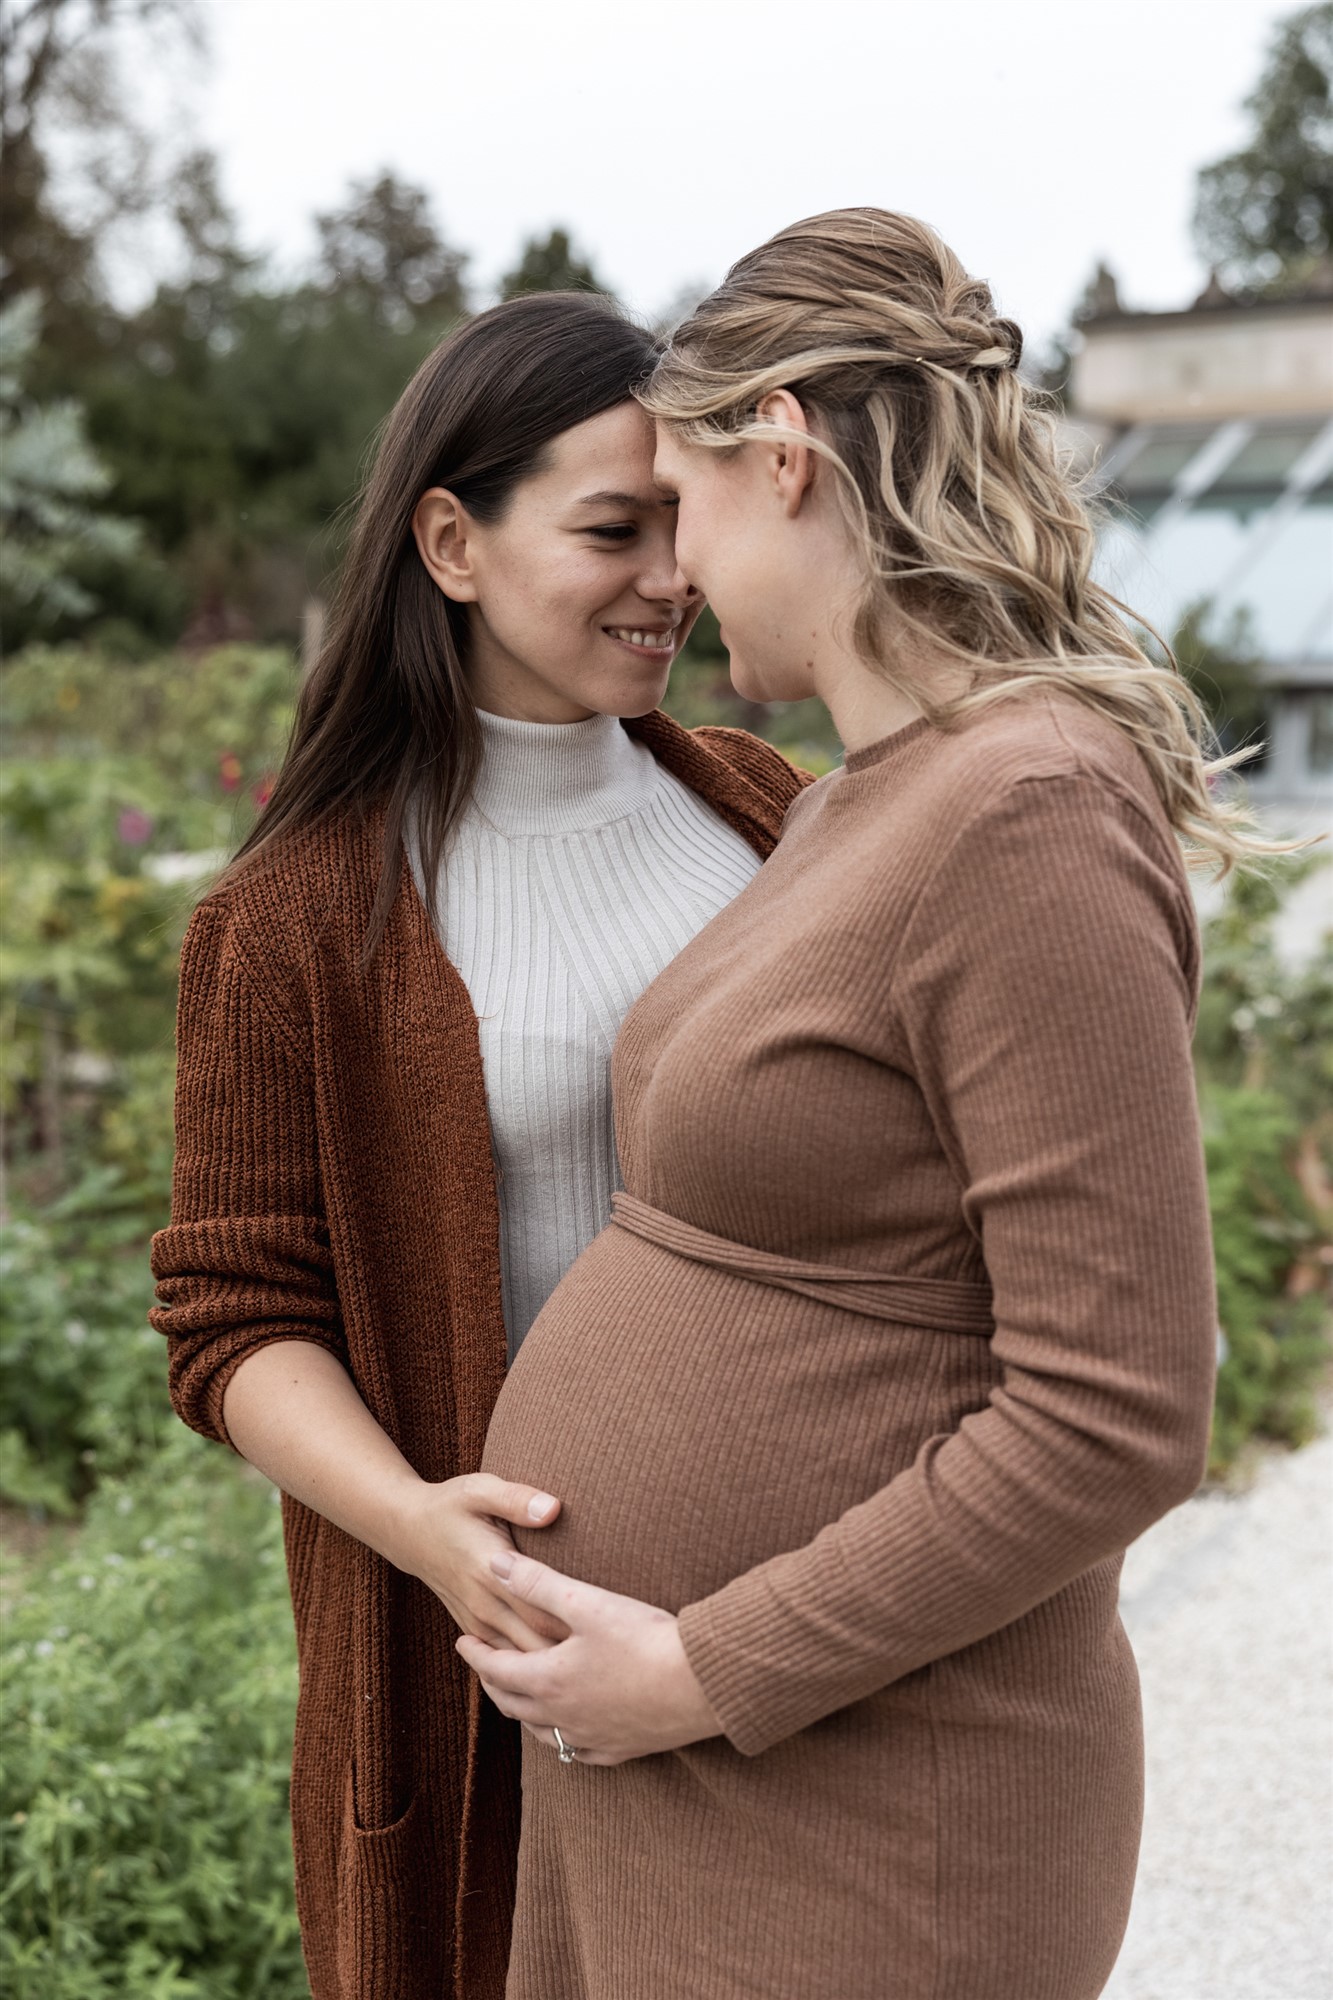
[{"x": 618, "y": 1687}]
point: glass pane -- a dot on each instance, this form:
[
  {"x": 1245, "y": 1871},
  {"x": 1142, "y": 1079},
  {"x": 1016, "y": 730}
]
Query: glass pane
[
  {"x": 1162, "y": 572},
  {"x": 1286, "y": 585},
  {"x": 1267, "y": 459},
  {"x": 1159, "y": 462},
  {"x": 1289, "y": 587}
]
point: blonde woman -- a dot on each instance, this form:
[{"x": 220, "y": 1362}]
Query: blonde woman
[{"x": 904, "y": 1326}]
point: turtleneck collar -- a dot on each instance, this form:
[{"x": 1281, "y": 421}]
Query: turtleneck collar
[{"x": 559, "y": 777}]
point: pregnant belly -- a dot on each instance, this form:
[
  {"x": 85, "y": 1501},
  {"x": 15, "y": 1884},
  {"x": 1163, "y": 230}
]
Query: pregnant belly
[{"x": 694, "y": 1422}]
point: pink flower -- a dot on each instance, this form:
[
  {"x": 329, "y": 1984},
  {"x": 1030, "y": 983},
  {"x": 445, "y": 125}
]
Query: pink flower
[
  {"x": 134, "y": 827},
  {"x": 263, "y": 791},
  {"x": 229, "y": 770}
]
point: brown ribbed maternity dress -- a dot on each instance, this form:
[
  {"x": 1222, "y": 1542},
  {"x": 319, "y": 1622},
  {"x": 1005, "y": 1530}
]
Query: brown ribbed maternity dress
[{"x": 905, "y": 1327}]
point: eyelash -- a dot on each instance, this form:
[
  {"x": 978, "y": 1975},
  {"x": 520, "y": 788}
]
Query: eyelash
[{"x": 619, "y": 533}]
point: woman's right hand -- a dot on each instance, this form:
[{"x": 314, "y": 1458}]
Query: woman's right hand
[
  {"x": 452, "y": 1529},
  {"x": 292, "y": 1409}
]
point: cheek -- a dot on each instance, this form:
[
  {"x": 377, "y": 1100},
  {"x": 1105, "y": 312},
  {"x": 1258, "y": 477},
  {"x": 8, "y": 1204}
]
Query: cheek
[{"x": 554, "y": 598}]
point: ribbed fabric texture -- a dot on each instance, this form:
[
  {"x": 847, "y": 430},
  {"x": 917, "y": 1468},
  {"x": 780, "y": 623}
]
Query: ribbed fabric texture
[
  {"x": 943, "y": 1040},
  {"x": 580, "y": 868},
  {"x": 334, "y": 1183}
]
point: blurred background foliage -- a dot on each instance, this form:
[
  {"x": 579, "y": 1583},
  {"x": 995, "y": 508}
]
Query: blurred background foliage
[{"x": 173, "y": 493}]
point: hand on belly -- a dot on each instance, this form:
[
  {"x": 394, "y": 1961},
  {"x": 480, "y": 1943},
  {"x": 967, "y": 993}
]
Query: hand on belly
[{"x": 618, "y": 1687}]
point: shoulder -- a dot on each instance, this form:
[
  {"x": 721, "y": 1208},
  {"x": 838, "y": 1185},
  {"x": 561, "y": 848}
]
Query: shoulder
[
  {"x": 1044, "y": 814},
  {"x": 1020, "y": 740},
  {"x": 766, "y": 768},
  {"x": 269, "y": 914},
  {"x": 1041, "y": 758}
]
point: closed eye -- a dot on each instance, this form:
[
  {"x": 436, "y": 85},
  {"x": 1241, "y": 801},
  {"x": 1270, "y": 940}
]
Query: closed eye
[{"x": 619, "y": 531}]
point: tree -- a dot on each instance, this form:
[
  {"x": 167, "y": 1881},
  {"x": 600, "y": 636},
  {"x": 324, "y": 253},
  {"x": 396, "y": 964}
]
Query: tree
[
  {"x": 1265, "y": 214},
  {"x": 385, "y": 250},
  {"x": 49, "y": 478},
  {"x": 61, "y": 76},
  {"x": 550, "y": 264}
]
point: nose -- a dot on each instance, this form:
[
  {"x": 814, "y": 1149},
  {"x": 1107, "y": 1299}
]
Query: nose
[
  {"x": 662, "y": 580},
  {"x": 668, "y": 585}
]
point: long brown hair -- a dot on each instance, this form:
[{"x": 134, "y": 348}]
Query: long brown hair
[
  {"x": 973, "y": 536},
  {"x": 384, "y": 716}
]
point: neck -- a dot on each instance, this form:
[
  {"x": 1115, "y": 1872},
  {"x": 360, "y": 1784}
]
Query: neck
[
  {"x": 502, "y": 685},
  {"x": 559, "y": 777},
  {"x": 864, "y": 706}
]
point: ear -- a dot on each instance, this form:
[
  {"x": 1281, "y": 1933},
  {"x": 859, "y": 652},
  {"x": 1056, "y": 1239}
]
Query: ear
[
  {"x": 791, "y": 464},
  {"x": 442, "y": 529}
]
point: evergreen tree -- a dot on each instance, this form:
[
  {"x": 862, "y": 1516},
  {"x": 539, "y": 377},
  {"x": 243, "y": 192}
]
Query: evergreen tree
[
  {"x": 384, "y": 250},
  {"x": 49, "y": 482},
  {"x": 551, "y": 264},
  {"x": 1264, "y": 214},
  {"x": 62, "y": 77}
]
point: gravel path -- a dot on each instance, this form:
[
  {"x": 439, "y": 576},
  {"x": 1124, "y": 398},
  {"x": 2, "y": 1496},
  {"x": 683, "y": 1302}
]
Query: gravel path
[{"x": 1229, "y": 1602}]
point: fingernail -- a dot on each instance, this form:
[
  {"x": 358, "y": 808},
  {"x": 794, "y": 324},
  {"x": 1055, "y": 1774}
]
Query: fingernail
[
  {"x": 502, "y": 1566},
  {"x": 541, "y": 1503}
]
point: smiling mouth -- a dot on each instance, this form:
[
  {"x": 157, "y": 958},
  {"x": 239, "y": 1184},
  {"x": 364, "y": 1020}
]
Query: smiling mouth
[{"x": 641, "y": 641}]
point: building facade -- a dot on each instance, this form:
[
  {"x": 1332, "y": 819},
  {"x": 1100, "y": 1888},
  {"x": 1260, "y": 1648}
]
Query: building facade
[{"x": 1210, "y": 435}]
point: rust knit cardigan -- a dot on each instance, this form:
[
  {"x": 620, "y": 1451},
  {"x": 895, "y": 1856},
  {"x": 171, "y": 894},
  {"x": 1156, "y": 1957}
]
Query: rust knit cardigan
[{"x": 334, "y": 1183}]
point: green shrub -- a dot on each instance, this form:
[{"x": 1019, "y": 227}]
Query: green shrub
[
  {"x": 150, "y": 1686},
  {"x": 125, "y": 785},
  {"x": 1264, "y": 1052},
  {"x": 1263, "y": 1226},
  {"x": 82, "y": 1374}
]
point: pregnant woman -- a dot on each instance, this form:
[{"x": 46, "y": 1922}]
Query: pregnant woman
[
  {"x": 393, "y": 1113},
  {"x": 904, "y": 1325}
]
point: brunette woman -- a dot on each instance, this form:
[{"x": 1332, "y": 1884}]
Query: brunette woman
[
  {"x": 375, "y": 1189},
  {"x": 905, "y": 1324}
]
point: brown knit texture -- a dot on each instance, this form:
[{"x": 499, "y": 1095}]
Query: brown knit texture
[
  {"x": 334, "y": 1183},
  {"x": 942, "y": 1044}
]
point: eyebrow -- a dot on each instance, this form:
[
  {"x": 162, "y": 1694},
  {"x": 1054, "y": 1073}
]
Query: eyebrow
[{"x": 639, "y": 502}]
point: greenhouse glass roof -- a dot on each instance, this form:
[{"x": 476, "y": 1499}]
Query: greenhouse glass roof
[{"x": 1236, "y": 515}]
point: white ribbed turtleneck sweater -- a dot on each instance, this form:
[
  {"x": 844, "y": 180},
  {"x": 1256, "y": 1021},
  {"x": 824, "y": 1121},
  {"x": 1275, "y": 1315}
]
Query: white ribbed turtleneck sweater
[{"x": 578, "y": 871}]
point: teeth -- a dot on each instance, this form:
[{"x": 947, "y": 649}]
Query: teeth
[{"x": 653, "y": 639}]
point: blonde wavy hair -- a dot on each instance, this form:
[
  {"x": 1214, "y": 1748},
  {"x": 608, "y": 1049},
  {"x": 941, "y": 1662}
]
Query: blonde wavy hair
[{"x": 975, "y": 538}]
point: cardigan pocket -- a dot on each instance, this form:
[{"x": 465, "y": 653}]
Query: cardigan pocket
[{"x": 379, "y": 1955}]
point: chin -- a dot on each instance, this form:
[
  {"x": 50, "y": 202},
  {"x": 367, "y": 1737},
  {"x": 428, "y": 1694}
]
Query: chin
[
  {"x": 749, "y": 682},
  {"x": 628, "y": 701}
]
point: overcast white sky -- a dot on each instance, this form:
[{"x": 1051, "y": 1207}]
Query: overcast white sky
[{"x": 1036, "y": 136}]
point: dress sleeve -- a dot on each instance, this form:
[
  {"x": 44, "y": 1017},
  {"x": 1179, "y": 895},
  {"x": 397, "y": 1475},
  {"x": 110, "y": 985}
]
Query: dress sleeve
[
  {"x": 246, "y": 1256},
  {"x": 1044, "y": 999}
]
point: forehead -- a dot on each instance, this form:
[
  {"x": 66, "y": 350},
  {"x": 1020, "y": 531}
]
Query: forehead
[
  {"x": 673, "y": 458},
  {"x": 611, "y": 452}
]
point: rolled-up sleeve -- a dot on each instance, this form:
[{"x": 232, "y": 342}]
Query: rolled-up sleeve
[{"x": 246, "y": 1257}]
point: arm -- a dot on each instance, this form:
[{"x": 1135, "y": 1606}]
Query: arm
[
  {"x": 294, "y": 1412},
  {"x": 1046, "y": 997},
  {"x": 249, "y": 1308}
]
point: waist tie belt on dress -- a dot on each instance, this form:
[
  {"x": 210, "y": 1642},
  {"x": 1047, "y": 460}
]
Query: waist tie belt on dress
[{"x": 954, "y": 1305}]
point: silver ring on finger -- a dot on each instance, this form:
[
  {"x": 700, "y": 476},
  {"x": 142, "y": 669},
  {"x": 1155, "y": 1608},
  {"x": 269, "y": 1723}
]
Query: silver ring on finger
[{"x": 567, "y": 1751}]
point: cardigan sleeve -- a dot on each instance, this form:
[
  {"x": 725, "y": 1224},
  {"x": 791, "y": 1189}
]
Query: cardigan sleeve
[
  {"x": 1044, "y": 1003},
  {"x": 246, "y": 1256}
]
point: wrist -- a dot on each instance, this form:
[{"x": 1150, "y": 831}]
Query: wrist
[
  {"x": 401, "y": 1538},
  {"x": 691, "y": 1705}
]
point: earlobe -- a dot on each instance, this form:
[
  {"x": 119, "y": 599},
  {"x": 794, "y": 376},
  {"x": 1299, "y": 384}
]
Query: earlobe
[{"x": 440, "y": 528}]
